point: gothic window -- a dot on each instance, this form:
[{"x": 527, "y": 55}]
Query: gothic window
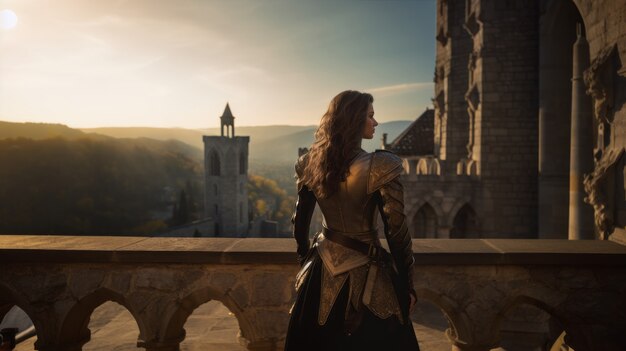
[
  {"x": 216, "y": 210},
  {"x": 215, "y": 189},
  {"x": 240, "y": 212},
  {"x": 465, "y": 224},
  {"x": 425, "y": 222},
  {"x": 241, "y": 188},
  {"x": 242, "y": 163},
  {"x": 214, "y": 165}
]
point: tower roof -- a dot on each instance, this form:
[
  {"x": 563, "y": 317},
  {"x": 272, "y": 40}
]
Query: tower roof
[
  {"x": 417, "y": 138},
  {"x": 227, "y": 113}
]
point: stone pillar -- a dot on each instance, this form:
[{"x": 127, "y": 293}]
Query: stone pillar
[{"x": 581, "y": 148}]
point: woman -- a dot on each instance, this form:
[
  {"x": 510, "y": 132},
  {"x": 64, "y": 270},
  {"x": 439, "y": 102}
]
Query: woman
[{"x": 352, "y": 294}]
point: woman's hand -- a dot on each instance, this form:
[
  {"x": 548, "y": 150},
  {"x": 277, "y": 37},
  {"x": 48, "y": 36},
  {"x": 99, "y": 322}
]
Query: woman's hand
[{"x": 412, "y": 301}]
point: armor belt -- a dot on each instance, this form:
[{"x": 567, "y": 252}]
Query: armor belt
[
  {"x": 370, "y": 281},
  {"x": 370, "y": 250}
]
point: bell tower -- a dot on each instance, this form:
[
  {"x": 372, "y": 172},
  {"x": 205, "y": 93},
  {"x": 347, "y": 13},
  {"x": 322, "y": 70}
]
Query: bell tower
[
  {"x": 228, "y": 120},
  {"x": 225, "y": 179}
]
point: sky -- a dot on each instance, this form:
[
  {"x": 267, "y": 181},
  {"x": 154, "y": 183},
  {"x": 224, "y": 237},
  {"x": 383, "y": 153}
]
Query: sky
[{"x": 153, "y": 63}]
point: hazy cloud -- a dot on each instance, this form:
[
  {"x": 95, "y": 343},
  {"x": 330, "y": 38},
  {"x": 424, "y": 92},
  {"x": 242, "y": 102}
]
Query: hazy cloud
[{"x": 401, "y": 88}]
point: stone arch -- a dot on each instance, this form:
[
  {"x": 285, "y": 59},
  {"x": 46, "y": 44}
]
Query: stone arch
[
  {"x": 572, "y": 329},
  {"x": 75, "y": 326},
  {"x": 465, "y": 223},
  {"x": 425, "y": 222},
  {"x": 9, "y": 298},
  {"x": 414, "y": 206},
  {"x": 584, "y": 8},
  {"x": 214, "y": 163},
  {"x": 457, "y": 319},
  {"x": 428, "y": 166},
  {"x": 449, "y": 218},
  {"x": 173, "y": 328}
]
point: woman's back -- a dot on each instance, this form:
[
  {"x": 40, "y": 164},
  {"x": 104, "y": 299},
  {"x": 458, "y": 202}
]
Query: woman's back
[{"x": 351, "y": 208}]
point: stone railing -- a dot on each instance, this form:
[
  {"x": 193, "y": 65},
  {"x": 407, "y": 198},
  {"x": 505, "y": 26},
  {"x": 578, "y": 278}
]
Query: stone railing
[{"x": 59, "y": 280}]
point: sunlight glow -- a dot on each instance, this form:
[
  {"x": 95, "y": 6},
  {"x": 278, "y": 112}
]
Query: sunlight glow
[{"x": 8, "y": 19}]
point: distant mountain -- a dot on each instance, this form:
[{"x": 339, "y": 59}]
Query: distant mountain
[
  {"x": 262, "y": 133},
  {"x": 38, "y": 131},
  {"x": 271, "y": 144},
  {"x": 285, "y": 148}
]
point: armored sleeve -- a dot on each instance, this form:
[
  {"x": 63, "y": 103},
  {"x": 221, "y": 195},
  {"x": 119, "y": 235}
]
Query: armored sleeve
[
  {"x": 301, "y": 219},
  {"x": 385, "y": 178}
]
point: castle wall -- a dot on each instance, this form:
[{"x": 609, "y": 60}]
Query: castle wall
[
  {"x": 446, "y": 195},
  {"x": 451, "y": 81},
  {"x": 506, "y": 48},
  {"x": 486, "y": 100}
]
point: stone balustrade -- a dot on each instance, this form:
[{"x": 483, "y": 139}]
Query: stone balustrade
[{"x": 59, "y": 280}]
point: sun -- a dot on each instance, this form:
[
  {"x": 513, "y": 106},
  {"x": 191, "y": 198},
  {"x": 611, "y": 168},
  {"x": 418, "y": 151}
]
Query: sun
[{"x": 8, "y": 19}]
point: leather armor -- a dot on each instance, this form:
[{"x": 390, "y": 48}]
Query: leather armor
[{"x": 372, "y": 184}]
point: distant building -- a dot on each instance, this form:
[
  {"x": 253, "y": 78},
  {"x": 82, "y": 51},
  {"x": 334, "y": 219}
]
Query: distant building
[
  {"x": 225, "y": 179},
  {"x": 416, "y": 142}
]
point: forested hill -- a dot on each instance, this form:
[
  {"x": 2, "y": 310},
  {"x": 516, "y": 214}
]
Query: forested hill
[
  {"x": 40, "y": 131},
  {"x": 91, "y": 186}
]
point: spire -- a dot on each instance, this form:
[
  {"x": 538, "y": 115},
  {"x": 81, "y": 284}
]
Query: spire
[
  {"x": 228, "y": 120},
  {"x": 227, "y": 113}
]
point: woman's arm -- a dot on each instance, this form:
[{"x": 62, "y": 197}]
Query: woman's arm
[
  {"x": 301, "y": 219},
  {"x": 397, "y": 234}
]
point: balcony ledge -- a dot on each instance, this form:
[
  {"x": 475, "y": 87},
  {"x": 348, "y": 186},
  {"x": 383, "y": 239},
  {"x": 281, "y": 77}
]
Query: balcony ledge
[{"x": 116, "y": 249}]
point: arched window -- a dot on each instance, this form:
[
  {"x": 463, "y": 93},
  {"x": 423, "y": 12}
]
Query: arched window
[
  {"x": 214, "y": 165},
  {"x": 425, "y": 222},
  {"x": 242, "y": 163},
  {"x": 465, "y": 224}
]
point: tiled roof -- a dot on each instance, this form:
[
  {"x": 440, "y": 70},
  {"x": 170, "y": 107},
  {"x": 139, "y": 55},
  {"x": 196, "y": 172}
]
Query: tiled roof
[{"x": 418, "y": 138}]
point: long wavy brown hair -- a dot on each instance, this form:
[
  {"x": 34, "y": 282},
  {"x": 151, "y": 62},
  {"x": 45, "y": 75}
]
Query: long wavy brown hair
[{"x": 336, "y": 139}]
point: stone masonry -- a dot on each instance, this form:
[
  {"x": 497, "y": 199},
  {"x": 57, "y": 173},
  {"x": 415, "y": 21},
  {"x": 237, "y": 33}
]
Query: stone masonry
[{"x": 59, "y": 281}]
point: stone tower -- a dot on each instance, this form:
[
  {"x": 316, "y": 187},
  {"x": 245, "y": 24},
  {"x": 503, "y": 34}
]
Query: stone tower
[{"x": 225, "y": 179}]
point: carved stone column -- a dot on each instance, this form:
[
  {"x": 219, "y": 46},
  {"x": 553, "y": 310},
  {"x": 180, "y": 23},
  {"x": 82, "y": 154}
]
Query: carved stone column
[{"x": 581, "y": 145}]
